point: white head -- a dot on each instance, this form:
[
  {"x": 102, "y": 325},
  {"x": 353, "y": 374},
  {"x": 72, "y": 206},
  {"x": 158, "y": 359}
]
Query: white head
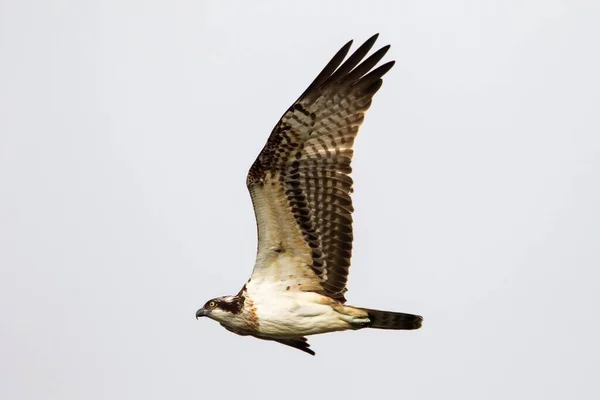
[{"x": 223, "y": 309}]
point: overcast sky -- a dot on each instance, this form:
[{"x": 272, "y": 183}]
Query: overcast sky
[{"x": 127, "y": 129}]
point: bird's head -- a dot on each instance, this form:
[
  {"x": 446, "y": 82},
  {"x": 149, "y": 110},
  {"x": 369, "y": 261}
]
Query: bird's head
[{"x": 221, "y": 308}]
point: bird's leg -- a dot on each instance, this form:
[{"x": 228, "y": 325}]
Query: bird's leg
[
  {"x": 357, "y": 318},
  {"x": 360, "y": 322}
]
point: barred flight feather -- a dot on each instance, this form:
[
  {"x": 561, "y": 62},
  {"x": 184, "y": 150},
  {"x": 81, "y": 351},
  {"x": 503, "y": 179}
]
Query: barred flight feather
[{"x": 300, "y": 184}]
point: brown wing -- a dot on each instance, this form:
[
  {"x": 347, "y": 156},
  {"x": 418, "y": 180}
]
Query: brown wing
[
  {"x": 299, "y": 343},
  {"x": 300, "y": 183}
]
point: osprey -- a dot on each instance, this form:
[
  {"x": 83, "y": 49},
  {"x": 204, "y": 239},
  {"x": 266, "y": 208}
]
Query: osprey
[{"x": 300, "y": 188}]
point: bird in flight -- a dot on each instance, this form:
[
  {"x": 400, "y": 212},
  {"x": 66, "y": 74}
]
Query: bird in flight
[{"x": 300, "y": 188}]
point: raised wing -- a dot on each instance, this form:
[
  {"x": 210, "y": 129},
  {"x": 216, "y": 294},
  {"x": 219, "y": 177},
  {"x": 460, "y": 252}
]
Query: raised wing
[{"x": 300, "y": 184}]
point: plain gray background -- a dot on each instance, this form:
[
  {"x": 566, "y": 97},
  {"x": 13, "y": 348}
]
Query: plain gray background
[{"x": 127, "y": 129}]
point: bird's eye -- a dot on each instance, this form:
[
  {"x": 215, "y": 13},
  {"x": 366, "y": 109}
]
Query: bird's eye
[{"x": 212, "y": 304}]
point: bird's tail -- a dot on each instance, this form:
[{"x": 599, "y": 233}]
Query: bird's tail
[{"x": 393, "y": 320}]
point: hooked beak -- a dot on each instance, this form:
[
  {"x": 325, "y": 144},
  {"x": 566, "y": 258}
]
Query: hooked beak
[{"x": 201, "y": 313}]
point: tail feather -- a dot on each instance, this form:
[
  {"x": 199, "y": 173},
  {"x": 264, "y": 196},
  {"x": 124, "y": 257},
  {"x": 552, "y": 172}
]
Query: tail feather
[{"x": 393, "y": 320}]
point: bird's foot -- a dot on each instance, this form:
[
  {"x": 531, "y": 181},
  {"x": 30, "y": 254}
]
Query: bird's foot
[{"x": 360, "y": 322}]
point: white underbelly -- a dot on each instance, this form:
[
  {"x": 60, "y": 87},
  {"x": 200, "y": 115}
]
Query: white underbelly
[{"x": 292, "y": 314}]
